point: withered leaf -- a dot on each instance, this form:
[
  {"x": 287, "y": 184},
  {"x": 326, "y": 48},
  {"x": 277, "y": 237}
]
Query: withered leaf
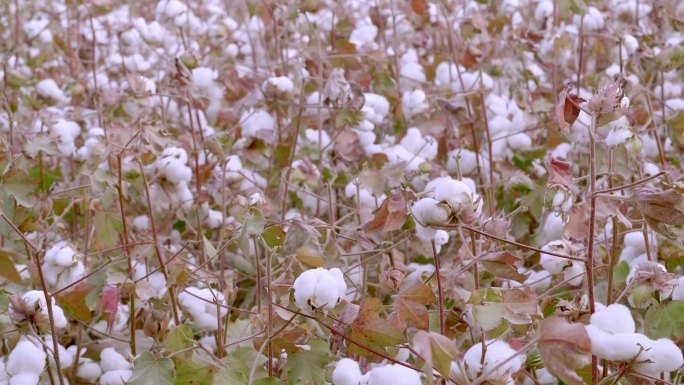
[
  {"x": 562, "y": 346},
  {"x": 74, "y": 301},
  {"x": 566, "y": 111},
  {"x": 409, "y": 304},
  {"x": 560, "y": 172},
  {"x": 502, "y": 265},
  {"x": 578, "y": 223},
  {"x": 375, "y": 329},
  {"x": 520, "y": 306},
  {"x": 390, "y": 216},
  {"x": 660, "y": 208},
  {"x": 437, "y": 350}
]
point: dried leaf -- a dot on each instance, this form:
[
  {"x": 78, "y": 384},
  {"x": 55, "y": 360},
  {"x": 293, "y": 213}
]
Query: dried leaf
[
  {"x": 566, "y": 111},
  {"x": 418, "y": 7},
  {"x": 502, "y": 265},
  {"x": 520, "y": 306},
  {"x": 110, "y": 305},
  {"x": 390, "y": 216},
  {"x": 74, "y": 301},
  {"x": 376, "y": 330},
  {"x": 560, "y": 172},
  {"x": 660, "y": 208},
  {"x": 562, "y": 346},
  {"x": 409, "y": 305},
  {"x": 578, "y": 223}
]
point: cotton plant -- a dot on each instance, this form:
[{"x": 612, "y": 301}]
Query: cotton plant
[
  {"x": 319, "y": 288},
  {"x": 24, "y": 364},
  {"x": 35, "y": 299}
]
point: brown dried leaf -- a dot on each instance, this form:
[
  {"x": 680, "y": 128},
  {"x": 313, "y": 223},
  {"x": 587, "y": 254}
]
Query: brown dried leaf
[
  {"x": 390, "y": 216},
  {"x": 566, "y": 111},
  {"x": 660, "y": 208},
  {"x": 560, "y": 172},
  {"x": 502, "y": 265},
  {"x": 409, "y": 305},
  {"x": 520, "y": 306},
  {"x": 578, "y": 223},
  {"x": 562, "y": 346},
  {"x": 375, "y": 329}
]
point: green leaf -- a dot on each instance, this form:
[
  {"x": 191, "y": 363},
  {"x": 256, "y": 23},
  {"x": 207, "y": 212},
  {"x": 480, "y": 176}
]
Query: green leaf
[
  {"x": 179, "y": 338},
  {"x": 306, "y": 366},
  {"x": 149, "y": 369},
  {"x": 621, "y": 272},
  {"x": 192, "y": 372},
  {"x": 670, "y": 58},
  {"x": 665, "y": 321},
  {"x": 267, "y": 381}
]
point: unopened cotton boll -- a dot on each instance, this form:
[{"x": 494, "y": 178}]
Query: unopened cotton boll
[
  {"x": 614, "y": 319},
  {"x": 320, "y": 288},
  {"x": 413, "y": 103},
  {"x": 347, "y": 372},
  {"x": 428, "y": 211},
  {"x": 497, "y": 352},
  {"x": 49, "y": 89},
  {"x": 393, "y": 375}
]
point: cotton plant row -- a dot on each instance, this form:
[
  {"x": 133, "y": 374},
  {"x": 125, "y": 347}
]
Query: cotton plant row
[{"x": 292, "y": 177}]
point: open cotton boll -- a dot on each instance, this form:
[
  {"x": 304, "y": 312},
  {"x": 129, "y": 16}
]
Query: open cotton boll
[
  {"x": 551, "y": 263},
  {"x": 664, "y": 356},
  {"x": 64, "y": 132},
  {"x": 454, "y": 192},
  {"x": 201, "y": 304},
  {"x": 116, "y": 377},
  {"x": 315, "y": 136},
  {"x": 25, "y": 378},
  {"x": 497, "y": 352},
  {"x": 413, "y": 103},
  {"x": 591, "y": 21},
  {"x": 88, "y": 370},
  {"x": 678, "y": 291},
  {"x": 278, "y": 86},
  {"x": 347, "y": 372},
  {"x": 466, "y": 159},
  {"x": 111, "y": 360},
  {"x": 254, "y": 121},
  {"x": 375, "y": 107},
  {"x": 141, "y": 223},
  {"x": 33, "y": 296},
  {"x": 538, "y": 281},
  {"x": 428, "y": 211},
  {"x": 393, "y": 375},
  {"x": 412, "y": 75},
  {"x": 574, "y": 275},
  {"x": 25, "y": 357},
  {"x": 553, "y": 227},
  {"x": 320, "y": 288},
  {"x": 417, "y": 144},
  {"x": 49, "y": 89},
  {"x": 614, "y": 319},
  {"x": 363, "y": 36}
]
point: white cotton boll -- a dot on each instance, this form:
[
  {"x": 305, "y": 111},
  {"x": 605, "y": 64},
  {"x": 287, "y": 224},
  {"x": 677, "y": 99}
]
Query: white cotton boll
[
  {"x": 64, "y": 132},
  {"x": 202, "y": 306},
  {"x": 254, "y": 121},
  {"x": 65, "y": 256},
  {"x": 413, "y": 103},
  {"x": 214, "y": 218},
  {"x": 141, "y": 223},
  {"x": 116, "y": 377},
  {"x": 614, "y": 319},
  {"x": 519, "y": 141},
  {"x": 174, "y": 170},
  {"x": 497, "y": 352},
  {"x": 320, "y": 288},
  {"x": 49, "y": 89},
  {"x": 363, "y": 35},
  {"x": 88, "y": 370},
  {"x": 417, "y": 144},
  {"x": 282, "y": 84},
  {"x": 25, "y": 357},
  {"x": 651, "y": 169},
  {"x": 412, "y": 75},
  {"x": 543, "y": 11},
  {"x": 466, "y": 159},
  {"x": 375, "y": 108},
  {"x": 630, "y": 44},
  {"x": 665, "y": 356},
  {"x": 441, "y": 237},
  {"x": 315, "y": 136},
  {"x": 574, "y": 275},
  {"x": 428, "y": 211},
  {"x": 618, "y": 136},
  {"x": 393, "y": 375},
  {"x": 425, "y": 234},
  {"x": 538, "y": 281},
  {"x": 561, "y": 151},
  {"x": 111, "y": 360},
  {"x": 454, "y": 192},
  {"x": 24, "y": 378},
  {"x": 551, "y": 263},
  {"x": 553, "y": 226},
  {"x": 36, "y": 296},
  {"x": 593, "y": 20}
]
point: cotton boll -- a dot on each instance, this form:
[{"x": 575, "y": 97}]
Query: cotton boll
[
  {"x": 375, "y": 108},
  {"x": 413, "y": 103},
  {"x": 441, "y": 237},
  {"x": 25, "y": 357},
  {"x": 678, "y": 292},
  {"x": 214, "y": 218},
  {"x": 316, "y": 136},
  {"x": 428, "y": 211},
  {"x": 665, "y": 357},
  {"x": 416, "y": 144},
  {"x": 88, "y": 370},
  {"x": 363, "y": 35},
  {"x": 320, "y": 288},
  {"x": 347, "y": 372},
  {"x": 254, "y": 121},
  {"x": 551, "y": 263},
  {"x": 466, "y": 159},
  {"x": 201, "y": 304},
  {"x": 116, "y": 377},
  {"x": 553, "y": 226},
  {"x": 520, "y": 142},
  {"x": 454, "y": 192},
  {"x": 141, "y": 223},
  {"x": 614, "y": 319},
  {"x": 618, "y": 136},
  {"x": 25, "y": 378},
  {"x": 49, "y": 89},
  {"x": 574, "y": 275},
  {"x": 111, "y": 360},
  {"x": 538, "y": 281},
  {"x": 651, "y": 169},
  {"x": 35, "y": 296},
  {"x": 412, "y": 75},
  {"x": 393, "y": 375},
  {"x": 497, "y": 352}
]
